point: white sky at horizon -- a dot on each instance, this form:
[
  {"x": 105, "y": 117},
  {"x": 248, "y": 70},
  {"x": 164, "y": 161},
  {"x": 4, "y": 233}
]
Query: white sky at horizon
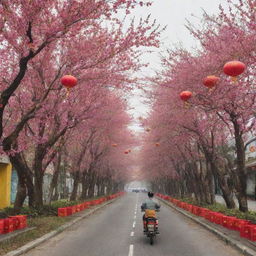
[{"x": 173, "y": 14}]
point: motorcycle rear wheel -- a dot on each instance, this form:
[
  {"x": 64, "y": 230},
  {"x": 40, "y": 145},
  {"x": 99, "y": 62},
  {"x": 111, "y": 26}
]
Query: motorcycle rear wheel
[{"x": 151, "y": 240}]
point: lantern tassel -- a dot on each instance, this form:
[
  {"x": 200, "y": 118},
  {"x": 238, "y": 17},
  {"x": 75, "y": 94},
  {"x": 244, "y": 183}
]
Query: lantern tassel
[
  {"x": 210, "y": 91},
  {"x": 234, "y": 79},
  {"x": 186, "y": 105},
  {"x": 68, "y": 92}
]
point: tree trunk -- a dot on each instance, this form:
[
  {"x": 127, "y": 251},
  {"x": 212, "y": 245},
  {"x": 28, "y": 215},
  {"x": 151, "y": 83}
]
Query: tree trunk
[
  {"x": 53, "y": 185},
  {"x": 64, "y": 193},
  {"x": 115, "y": 188},
  {"x": 102, "y": 187},
  {"x": 75, "y": 186},
  {"x": 97, "y": 183},
  {"x": 91, "y": 185},
  {"x": 208, "y": 185},
  {"x": 241, "y": 184},
  {"x": 218, "y": 169},
  {"x": 55, "y": 177},
  {"x": 25, "y": 181},
  {"x": 56, "y": 193},
  {"x": 109, "y": 186},
  {"x": 85, "y": 185},
  {"x": 226, "y": 192},
  {"x": 39, "y": 178},
  {"x": 21, "y": 194},
  {"x": 38, "y": 191}
]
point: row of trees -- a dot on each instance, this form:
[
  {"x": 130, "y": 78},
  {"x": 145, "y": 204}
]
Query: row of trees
[
  {"x": 189, "y": 145},
  {"x": 40, "y": 124}
]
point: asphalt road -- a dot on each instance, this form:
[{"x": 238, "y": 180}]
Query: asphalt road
[{"x": 116, "y": 230}]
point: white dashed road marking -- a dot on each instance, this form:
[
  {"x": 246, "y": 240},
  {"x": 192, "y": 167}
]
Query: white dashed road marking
[{"x": 131, "y": 250}]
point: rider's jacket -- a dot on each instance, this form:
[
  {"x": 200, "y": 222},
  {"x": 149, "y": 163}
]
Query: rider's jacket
[{"x": 150, "y": 204}]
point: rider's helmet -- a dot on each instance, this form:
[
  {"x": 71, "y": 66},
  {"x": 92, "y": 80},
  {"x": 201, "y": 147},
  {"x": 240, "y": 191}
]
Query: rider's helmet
[{"x": 150, "y": 194}]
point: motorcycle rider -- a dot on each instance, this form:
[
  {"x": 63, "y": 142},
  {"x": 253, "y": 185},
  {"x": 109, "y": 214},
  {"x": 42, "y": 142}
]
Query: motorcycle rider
[{"x": 149, "y": 204}]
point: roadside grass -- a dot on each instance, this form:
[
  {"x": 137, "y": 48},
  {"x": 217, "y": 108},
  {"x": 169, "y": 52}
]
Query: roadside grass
[
  {"x": 43, "y": 225},
  {"x": 217, "y": 207}
]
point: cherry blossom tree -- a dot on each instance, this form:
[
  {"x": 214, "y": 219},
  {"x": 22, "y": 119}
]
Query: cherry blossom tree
[
  {"x": 213, "y": 118},
  {"x": 49, "y": 41},
  {"x": 28, "y": 28}
]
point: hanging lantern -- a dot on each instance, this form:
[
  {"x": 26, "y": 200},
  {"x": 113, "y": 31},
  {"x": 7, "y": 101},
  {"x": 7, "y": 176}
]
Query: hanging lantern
[
  {"x": 210, "y": 81},
  {"x": 126, "y": 152},
  {"x": 129, "y": 151},
  {"x": 148, "y": 129},
  {"x": 114, "y": 145},
  {"x": 234, "y": 69},
  {"x": 157, "y": 144},
  {"x": 185, "y": 95},
  {"x": 69, "y": 82},
  {"x": 252, "y": 149}
]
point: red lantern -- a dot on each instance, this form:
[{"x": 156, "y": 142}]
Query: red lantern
[
  {"x": 234, "y": 68},
  {"x": 252, "y": 149},
  {"x": 148, "y": 129},
  {"x": 129, "y": 151},
  {"x": 126, "y": 152},
  {"x": 68, "y": 81},
  {"x": 210, "y": 81},
  {"x": 157, "y": 144},
  {"x": 185, "y": 95},
  {"x": 114, "y": 145}
]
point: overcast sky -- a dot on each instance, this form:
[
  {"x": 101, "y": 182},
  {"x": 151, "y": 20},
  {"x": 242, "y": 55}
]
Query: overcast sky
[{"x": 172, "y": 13}]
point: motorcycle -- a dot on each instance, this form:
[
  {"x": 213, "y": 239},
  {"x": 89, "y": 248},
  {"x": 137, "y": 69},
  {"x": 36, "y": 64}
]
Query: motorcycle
[{"x": 151, "y": 224}]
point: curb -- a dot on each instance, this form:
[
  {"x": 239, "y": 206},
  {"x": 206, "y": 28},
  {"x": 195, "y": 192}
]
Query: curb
[
  {"x": 14, "y": 234},
  {"x": 27, "y": 247},
  {"x": 234, "y": 243}
]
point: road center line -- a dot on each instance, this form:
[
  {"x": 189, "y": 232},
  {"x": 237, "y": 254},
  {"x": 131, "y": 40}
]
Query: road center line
[
  {"x": 135, "y": 217},
  {"x": 134, "y": 223},
  {"x": 131, "y": 250},
  {"x": 132, "y": 233}
]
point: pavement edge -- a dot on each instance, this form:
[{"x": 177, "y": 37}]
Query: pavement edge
[
  {"x": 27, "y": 247},
  {"x": 234, "y": 243}
]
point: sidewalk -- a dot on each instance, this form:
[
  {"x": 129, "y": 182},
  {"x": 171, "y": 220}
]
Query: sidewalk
[{"x": 251, "y": 203}]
